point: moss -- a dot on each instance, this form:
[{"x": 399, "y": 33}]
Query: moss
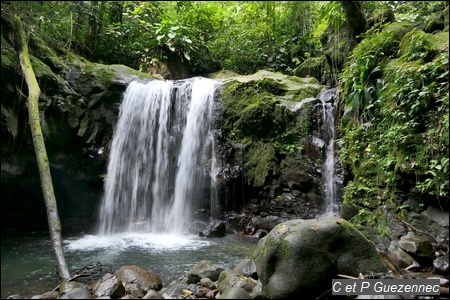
[
  {"x": 283, "y": 247},
  {"x": 46, "y": 54},
  {"x": 222, "y": 74},
  {"x": 260, "y": 158},
  {"x": 417, "y": 44},
  {"x": 8, "y": 54},
  {"x": 84, "y": 125},
  {"x": 349, "y": 228}
]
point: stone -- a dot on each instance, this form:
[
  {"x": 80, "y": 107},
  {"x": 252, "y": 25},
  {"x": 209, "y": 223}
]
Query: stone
[
  {"x": 437, "y": 215},
  {"x": 77, "y": 293},
  {"x": 235, "y": 293},
  {"x": 214, "y": 229},
  {"x": 420, "y": 246},
  {"x": 206, "y": 282},
  {"x": 246, "y": 268},
  {"x": 441, "y": 265},
  {"x": 203, "y": 269},
  {"x": 401, "y": 258},
  {"x": 134, "y": 290},
  {"x": 259, "y": 292},
  {"x": 47, "y": 295},
  {"x": 260, "y": 233},
  {"x": 300, "y": 257},
  {"x": 109, "y": 286},
  {"x": 146, "y": 280},
  {"x": 229, "y": 278},
  {"x": 152, "y": 294}
]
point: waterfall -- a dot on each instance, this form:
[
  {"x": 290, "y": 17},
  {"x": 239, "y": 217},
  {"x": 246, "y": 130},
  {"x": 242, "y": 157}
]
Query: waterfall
[
  {"x": 328, "y": 172},
  {"x": 162, "y": 163}
]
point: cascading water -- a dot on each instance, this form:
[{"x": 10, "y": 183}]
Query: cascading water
[
  {"x": 162, "y": 162},
  {"x": 328, "y": 172}
]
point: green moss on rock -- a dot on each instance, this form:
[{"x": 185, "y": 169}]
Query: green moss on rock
[{"x": 261, "y": 158}]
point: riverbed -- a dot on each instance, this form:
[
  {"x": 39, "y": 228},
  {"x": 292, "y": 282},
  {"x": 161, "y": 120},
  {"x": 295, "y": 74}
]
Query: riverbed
[{"x": 28, "y": 266}]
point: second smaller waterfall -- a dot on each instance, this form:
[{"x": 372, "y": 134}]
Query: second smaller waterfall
[{"x": 329, "y": 178}]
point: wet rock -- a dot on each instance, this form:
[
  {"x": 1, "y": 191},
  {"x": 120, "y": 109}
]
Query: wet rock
[
  {"x": 437, "y": 215},
  {"x": 152, "y": 294},
  {"x": 229, "y": 279},
  {"x": 144, "y": 279},
  {"x": 203, "y": 269},
  {"x": 201, "y": 292},
  {"x": 266, "y": 223},
  {"x": 215, "y": 229},
  {"x": 47, "y": 295},
  {"x": 134, "y": 290},
  {"x": 400, "y": 257},
  {"x": 178, "y": 289},
  {"x": 319, "y": 249},
  {"x": 235, "y": 293},
  {"x": 92, "y": 271},
  {"x": 246, "y": 268},
  {"x": 208, "y": 283},
  {"x": 212, "y": 294},
  {"x": 259, "y": 292},
  {"x": 79, "y": 292},
  {"x": 109, "y": 286},
  {"x": 441, "y": 265},
  {"x": 260, "y": 233},
  {"x": 419, "y": 247}
]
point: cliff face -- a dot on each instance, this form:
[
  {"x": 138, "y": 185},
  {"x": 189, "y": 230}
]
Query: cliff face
[
  {"x": 271, "y": 154},
  {"x": 79, "y": 107}
]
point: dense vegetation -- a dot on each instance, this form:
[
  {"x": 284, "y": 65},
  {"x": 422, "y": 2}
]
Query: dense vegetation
[{"x": 393, "y": 81}]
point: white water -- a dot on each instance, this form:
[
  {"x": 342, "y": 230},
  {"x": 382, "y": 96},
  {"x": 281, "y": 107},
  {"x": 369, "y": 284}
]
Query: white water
[
  {"x": 329, "y": 178},
  {"x": 158, "y": 166}
]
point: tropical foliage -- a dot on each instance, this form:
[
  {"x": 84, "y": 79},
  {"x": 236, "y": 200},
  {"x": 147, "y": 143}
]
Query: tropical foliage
[{"x": 393, "y": 138}]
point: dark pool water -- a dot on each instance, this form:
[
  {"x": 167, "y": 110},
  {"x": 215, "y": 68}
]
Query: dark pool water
[{"x": 28, "y": 266}]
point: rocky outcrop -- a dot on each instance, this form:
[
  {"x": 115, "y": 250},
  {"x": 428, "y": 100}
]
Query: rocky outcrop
[
  {"x": 272, "y": 146},
  {"x": 79, "y": 106},
  {"x": 301, "y": 257}
]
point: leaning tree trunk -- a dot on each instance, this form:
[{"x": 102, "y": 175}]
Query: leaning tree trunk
[{"x": 39, "y": 147}]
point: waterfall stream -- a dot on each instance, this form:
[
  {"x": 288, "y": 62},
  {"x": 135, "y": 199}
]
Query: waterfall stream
[
  {"x": 162, "y": 163},
  {"x": 328, "y": 172}
]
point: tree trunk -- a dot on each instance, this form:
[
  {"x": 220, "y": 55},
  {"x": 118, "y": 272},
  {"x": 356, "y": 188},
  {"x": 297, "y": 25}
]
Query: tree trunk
[
  {"x": 39, "y": 146},
  {"x": 91, "y": 34},
  {"x": 355, "y": 18}
]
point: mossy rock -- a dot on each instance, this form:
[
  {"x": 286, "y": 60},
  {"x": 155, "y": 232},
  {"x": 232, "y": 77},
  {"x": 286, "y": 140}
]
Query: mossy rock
[
  {"x": 253, "y": 104},
  {"x": 312, "y": 66},
  {"x": 222, "y": 74},
  {"x": 435, "y": 22},
  {"x": 300, "y": 257},
  {"x": 47, "y": 55},
  {"x": 418, "y": 44},
  {"x": 261, "y": 160}
]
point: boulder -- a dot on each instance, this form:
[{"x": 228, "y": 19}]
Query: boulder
[
  {"x": 109, "y": 286},
  {"x": 214, "y": 229},
  {"x": 47, "y": 295},
  {"x": 203, "y": 269},
  {"x": 441, "y": 265},
  {"x": 401, "y": 258},
  {"x": 146, "y": 280},
  {"x": 229, "y": 279},
  {"x": 152, "y": 294},
  {"x": 79, "y": 292},
  {"x": 235, "y": 293},
  {"x": 419, "y": 247},
  {"x": 301, "y": 257},
  {"x": 246, "y": 268}
]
